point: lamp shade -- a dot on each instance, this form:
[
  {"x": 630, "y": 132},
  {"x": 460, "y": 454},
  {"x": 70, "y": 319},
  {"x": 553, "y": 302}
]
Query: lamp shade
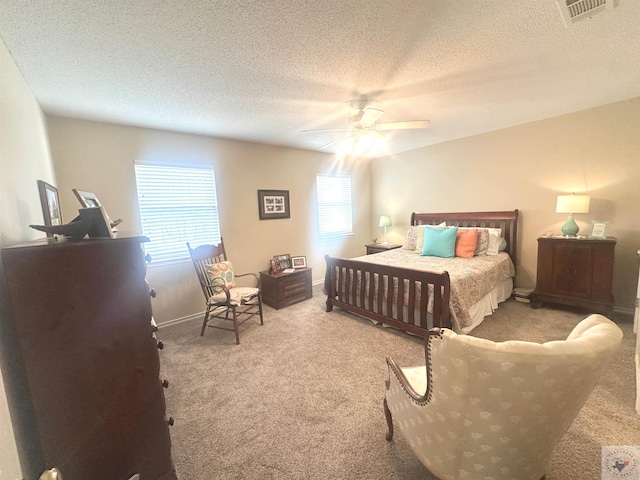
[
  {"x": 572, "y": 204},
  {"x": 385, "y": 221}
]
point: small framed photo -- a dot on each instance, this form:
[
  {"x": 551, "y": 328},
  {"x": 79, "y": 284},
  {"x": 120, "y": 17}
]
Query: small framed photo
[
  {"x": 298, "y": 262},
  {"x": 273, "y": 204},
  {"x": 598, "y": 229},
  {"x": 50, "y": 204},
  {"x": 280, "y": 262},
  {"x": 87, "y": 199}
]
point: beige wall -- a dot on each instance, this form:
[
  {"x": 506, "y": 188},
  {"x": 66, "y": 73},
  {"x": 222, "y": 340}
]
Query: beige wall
[
  {"x": 594, "y": 151},
  {"x": 98, "y": 157},
  {"x": 24, "y": 159}
]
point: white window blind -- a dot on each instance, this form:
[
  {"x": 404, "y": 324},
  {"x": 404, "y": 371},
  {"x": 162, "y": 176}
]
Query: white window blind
[
  {"x": 334, "y": 205},
  {"x": 177, "y": 205}
]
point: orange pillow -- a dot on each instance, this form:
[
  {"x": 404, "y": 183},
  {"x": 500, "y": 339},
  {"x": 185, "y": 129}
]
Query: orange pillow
[{"x": 466, "y": 242}]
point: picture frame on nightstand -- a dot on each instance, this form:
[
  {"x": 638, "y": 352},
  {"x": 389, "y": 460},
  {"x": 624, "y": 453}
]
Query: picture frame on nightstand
[
  {"x": 598, "y": 229},
  {"x": 280, "y": 263},
  {"x": 298, "y": 262}
]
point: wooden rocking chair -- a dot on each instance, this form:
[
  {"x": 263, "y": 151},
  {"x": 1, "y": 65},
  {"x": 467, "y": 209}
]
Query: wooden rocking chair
[{"x": 225, "y": 300}]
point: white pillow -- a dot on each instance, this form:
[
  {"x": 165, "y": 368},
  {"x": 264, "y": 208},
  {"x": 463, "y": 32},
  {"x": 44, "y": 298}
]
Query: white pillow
[
  {"x": 494, "y": 241},
  {"x": 420, "y": 232}
]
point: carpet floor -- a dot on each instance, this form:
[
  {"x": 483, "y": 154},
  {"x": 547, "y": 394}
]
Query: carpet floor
[{"x": 301, "y": 396}]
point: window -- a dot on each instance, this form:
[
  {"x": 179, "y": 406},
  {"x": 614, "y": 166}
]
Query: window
[
  {"x": 334, "y": 205},
  {"x": 177, "y": 205}
]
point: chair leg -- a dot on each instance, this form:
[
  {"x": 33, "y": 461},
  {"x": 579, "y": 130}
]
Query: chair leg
[
  {"x": 387, "y": 414},
  {"x": 206, "y": 319},
  {"x": 260, "y": 308},
  {"x": 235, "y": 325}
]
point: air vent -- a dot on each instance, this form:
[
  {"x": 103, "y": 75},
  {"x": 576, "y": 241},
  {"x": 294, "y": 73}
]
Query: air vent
[{"x": 576, "y": 10}]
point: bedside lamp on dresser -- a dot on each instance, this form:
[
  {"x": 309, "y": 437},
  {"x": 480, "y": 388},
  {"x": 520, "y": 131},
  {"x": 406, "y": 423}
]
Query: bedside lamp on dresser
[{"x": 572, "y": 204}]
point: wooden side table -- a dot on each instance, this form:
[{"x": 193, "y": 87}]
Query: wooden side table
[
  {"x": 378, "y": 247},
  {"x": 576, "y": 272},
  {"x": 283, "y": 289}
]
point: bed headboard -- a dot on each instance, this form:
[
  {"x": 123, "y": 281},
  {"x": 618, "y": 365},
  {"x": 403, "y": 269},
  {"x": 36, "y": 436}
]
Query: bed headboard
[{"x": 506, "y": 221}]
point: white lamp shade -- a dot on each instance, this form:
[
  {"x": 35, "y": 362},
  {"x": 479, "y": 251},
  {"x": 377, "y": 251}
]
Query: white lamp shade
[
  {"x": 385, "y": 221},
  {"x": 573, "y": 204}
]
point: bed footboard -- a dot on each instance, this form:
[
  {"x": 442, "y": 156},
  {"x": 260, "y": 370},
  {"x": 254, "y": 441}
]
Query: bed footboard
[{"x": 409, "y": 300}]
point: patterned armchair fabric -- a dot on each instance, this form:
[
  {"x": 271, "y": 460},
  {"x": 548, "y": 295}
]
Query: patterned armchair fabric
[{"x": 496, "y": 410}]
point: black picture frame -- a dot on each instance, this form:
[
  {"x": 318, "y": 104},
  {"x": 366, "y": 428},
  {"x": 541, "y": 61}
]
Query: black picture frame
[
  {"x": 50, "y": 202},
  {"x": 273, "y": 204}
]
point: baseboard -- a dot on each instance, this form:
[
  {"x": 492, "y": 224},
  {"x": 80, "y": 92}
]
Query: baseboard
[
  {"x": 624, "y": 310},
  {"x": 195, "y": 316}
]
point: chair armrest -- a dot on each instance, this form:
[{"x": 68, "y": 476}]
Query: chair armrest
[
  {"x": 394, "y": 368},
  {"x": 222, "y": 287}
]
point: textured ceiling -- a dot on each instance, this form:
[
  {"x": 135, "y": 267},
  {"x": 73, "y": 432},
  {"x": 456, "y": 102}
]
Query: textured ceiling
[{"x": 265, "y": 70}]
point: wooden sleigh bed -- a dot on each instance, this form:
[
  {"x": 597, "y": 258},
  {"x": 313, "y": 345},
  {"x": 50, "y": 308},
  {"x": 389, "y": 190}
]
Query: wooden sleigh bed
[{"x": 408, "y": 299}]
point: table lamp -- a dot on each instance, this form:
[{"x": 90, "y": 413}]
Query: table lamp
[
  {"x": 385, "y": 221},
  {"x": 572, "y": 204}
]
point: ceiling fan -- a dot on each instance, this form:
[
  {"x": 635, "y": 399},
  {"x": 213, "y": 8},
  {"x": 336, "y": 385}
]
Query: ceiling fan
[{"x": 365, "y": 121}]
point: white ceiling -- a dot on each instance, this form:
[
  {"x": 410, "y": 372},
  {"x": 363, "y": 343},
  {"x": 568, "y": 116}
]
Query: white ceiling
[{"x": 265, "y": 70}]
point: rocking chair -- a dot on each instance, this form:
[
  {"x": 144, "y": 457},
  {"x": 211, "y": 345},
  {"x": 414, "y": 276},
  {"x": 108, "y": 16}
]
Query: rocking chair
[{"x": 225, "y": 300}]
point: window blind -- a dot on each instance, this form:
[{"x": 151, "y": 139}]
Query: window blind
[
  {"x": 177, "y": 205},
  {"x": 334, "y": 205}
]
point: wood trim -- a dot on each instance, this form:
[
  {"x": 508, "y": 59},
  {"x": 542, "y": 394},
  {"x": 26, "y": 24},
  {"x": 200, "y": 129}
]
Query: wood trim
[{"x": 507, "y": 221}]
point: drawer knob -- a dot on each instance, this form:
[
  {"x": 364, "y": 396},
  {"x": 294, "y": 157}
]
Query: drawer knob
[
  {"x": 160, "y": 345},
  {"x": 165, "y": 383},
  {"x": 170, "y": 421}
]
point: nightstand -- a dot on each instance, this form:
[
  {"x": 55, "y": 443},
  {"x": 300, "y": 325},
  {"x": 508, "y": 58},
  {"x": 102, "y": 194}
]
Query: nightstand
[
  {"x": 283, "y": 289},
  {"x": 378, "y": 247},
  {"x": 576, "y": 272}
]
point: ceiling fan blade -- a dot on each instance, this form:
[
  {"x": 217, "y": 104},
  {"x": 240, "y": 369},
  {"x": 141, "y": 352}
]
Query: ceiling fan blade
[
  {"x": 370, "y": 115},
  {"x": 403, "y": 125},
  {"x": 344, "y": 137},
  {"x": 328, "y": 130}
]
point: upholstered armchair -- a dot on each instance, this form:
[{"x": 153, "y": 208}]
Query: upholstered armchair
[{"x": 485, "y": 410}]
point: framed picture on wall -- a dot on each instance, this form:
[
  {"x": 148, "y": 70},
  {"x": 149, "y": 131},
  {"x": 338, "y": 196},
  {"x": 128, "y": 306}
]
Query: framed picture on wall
[
  {"x": 273, "y": 204},
  {"x": 50, "y": 204}
]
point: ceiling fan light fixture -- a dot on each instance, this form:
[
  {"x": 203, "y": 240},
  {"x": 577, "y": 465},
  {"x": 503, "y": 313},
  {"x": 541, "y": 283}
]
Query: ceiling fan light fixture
[
  {"x": 362, "y": 130},
  {"x": 370, "y": 116},
  {"x": 364, "y": 142}
]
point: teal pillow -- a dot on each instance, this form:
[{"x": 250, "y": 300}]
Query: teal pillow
[{"x": 440, "y": 242}]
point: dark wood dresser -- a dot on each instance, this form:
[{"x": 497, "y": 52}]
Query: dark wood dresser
[
  {"x": 576, "y": 272},
  {"x": 283, "y": 289},
  {"x": 81, "y": 361}
]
